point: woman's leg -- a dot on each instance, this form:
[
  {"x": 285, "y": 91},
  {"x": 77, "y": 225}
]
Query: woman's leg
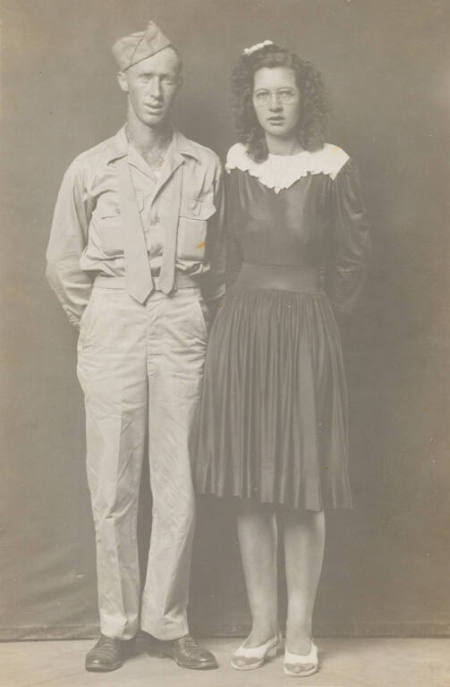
[
  {"x": 304, "y": 540},
  {"x": 257, "y": 530}
]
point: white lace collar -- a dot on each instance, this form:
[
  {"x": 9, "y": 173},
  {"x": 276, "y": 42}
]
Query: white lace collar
[{"x": 281, "y": 171}]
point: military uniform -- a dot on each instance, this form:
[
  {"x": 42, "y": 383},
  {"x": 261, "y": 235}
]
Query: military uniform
[{"x": 141, "y": 350}]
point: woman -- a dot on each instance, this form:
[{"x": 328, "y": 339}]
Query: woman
[{"x": 272, "y": 425}]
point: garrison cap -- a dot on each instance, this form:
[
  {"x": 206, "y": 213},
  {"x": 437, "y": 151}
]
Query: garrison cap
[{"x": 138, "y": 46}]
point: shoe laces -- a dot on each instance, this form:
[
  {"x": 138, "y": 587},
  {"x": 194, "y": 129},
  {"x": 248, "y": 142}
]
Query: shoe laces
[
  {"x": 106, "y": 641},
  {"x": 189, "y": 642}
]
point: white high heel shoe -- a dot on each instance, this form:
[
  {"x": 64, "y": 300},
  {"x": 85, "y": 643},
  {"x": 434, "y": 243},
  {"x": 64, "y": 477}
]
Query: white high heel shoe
[
  {"x": 301, "y": 665},
  {"x": 249, "y": 658}
]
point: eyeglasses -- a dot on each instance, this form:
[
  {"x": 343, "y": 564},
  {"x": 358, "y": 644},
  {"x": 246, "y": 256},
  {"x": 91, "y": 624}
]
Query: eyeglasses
[{"x": 282, "y": 95}]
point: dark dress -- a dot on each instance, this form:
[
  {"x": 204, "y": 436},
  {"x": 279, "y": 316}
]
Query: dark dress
[{"x": 272, "y": 420}]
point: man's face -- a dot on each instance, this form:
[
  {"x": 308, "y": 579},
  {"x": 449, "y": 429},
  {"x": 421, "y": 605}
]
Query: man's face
[{"x": 152, "y": 85}]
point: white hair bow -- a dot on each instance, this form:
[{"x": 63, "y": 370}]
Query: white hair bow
[{"x": 257, "y": 46}]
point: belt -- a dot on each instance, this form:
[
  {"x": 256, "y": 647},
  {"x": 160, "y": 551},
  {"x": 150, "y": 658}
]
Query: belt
[
  {"x": 182, "y": 281},
  {"x": 284, "y": 277}
]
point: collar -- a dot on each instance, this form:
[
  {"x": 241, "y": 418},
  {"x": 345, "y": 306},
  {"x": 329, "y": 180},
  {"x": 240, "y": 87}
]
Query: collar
[
  {"x": 279, "y": 172},
  {"x": 180, "y": 145}
]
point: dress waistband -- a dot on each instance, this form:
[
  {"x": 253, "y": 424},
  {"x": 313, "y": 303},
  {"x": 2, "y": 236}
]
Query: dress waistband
[
  {"x": 182, "y": 281},
  {"x": 285, "y": 277}
]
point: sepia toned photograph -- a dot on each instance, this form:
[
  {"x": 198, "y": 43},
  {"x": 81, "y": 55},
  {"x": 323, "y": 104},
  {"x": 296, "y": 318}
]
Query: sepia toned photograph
[{"x": 225, "y": 337}]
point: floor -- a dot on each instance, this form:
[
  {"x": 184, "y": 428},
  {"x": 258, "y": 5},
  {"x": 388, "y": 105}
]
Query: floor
[{"x": 344, "y": 663}]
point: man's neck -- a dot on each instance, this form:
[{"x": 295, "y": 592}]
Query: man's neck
[{"x": 145, "y": 138}]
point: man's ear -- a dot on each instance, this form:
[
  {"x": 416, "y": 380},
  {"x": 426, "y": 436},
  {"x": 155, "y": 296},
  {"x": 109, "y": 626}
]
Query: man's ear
[{"x": 122, "y": 81}]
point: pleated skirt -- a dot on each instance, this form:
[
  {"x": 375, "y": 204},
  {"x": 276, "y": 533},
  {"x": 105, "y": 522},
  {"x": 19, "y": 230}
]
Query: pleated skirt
[{"x": 271, "y": 424}]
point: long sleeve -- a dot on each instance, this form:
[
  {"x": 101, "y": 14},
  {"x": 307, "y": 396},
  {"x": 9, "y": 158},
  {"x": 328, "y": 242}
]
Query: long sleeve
[
  {"x": 351, "y": 241},
  {"x": 233, "y": 250},
  {"x": 68, "y": 239},
  {"x": 213, "y": 283}
]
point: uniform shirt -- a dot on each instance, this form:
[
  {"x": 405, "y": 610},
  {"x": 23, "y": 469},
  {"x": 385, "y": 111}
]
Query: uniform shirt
[{"x": 87, "y": 234}]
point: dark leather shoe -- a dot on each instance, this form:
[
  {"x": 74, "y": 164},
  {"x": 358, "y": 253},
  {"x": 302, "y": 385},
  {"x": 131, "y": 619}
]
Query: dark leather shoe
[
  {"x": 188, "y": 653},
  {"x": 108, "y": 654}
]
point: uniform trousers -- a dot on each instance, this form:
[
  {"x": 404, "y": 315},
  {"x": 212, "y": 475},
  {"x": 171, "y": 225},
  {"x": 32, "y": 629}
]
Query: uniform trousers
[{"x": 140, "y": 367}]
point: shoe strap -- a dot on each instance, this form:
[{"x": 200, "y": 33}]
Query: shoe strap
[
  {"x": 257, "y": 651},
  {"x": 303, "y": 659}
]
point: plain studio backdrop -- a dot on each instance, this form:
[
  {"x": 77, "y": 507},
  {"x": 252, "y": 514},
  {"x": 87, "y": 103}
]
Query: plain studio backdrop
[{"x": 387, "y": 67}]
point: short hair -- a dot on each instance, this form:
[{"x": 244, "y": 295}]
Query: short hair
[
  {"x": 180, "y": 59},
  {"x": 314, "y": 100}
]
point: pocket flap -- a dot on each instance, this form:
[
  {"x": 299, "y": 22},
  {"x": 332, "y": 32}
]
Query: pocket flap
[
  {"x": 108, "y": 208},
  {"x": 197, "y": 208}
]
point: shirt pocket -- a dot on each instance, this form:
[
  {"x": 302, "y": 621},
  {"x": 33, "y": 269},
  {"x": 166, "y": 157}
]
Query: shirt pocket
[
  {"x": 108, "y": 226},
  {"x": 193, "y": 226}
]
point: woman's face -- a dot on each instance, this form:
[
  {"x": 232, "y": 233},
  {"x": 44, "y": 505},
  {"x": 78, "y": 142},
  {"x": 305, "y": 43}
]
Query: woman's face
[{"x": 276, "y": 99}]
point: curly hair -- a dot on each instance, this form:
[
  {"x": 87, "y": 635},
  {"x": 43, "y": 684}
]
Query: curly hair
[{"x": 314, "y": 102}]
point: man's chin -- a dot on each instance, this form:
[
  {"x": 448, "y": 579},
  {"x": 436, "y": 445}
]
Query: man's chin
[{"x": 154, "y": 119}]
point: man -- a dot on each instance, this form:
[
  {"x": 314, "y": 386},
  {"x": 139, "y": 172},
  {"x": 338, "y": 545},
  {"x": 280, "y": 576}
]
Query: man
[{"x": 136, "y": 259}]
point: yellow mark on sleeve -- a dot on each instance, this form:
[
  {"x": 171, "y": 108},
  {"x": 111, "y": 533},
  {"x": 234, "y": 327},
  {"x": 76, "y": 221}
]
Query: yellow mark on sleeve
[{"x": 201, "y": 245}]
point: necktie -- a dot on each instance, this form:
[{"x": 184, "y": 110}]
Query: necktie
[
  {"x": 171, "y": 219},
  {"x": 138, "y": 277}
]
